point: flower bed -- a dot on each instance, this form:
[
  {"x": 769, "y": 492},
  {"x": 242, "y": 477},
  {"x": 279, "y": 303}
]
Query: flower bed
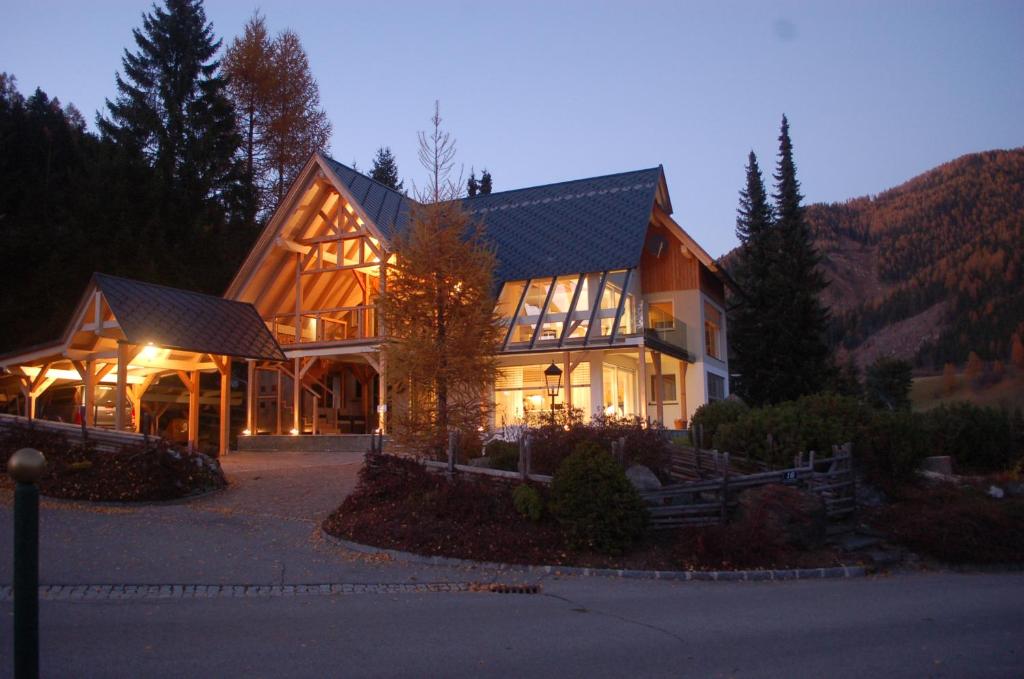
[
  {"x": 398, "y": 504},
  {"x": 132, "y": 474}
]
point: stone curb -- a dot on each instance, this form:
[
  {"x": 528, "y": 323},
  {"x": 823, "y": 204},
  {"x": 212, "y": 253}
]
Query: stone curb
[
  {"x": 152, "y": 592},
  {"x": 723, "y": 576}
]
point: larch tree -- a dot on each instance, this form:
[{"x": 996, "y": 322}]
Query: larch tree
[
  {"x": 385, "y": 169},
  {"x": 247, "y": 65},
  {"x": 296, "y": 125},
  {"x": 438, "y": 308}
]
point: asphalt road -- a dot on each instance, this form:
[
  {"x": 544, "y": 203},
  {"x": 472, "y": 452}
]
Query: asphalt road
[{"x": 263, "y": 530}]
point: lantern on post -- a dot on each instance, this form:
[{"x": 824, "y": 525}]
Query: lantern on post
[{"x": 553, "y": 382}]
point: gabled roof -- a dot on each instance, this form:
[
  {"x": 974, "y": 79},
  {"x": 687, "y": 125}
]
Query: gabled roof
[
  {"x": 585, "y": 225},
  {"x": 389, "y": 209},
  {"x": 188, "y": 321}
]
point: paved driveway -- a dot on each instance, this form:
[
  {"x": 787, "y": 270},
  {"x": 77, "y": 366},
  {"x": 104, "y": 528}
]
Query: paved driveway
[{"x": 386, "y": 619}]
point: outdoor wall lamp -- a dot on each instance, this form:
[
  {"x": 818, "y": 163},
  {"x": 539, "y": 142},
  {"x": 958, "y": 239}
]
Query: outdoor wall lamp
[{"x": 553, "y": 382}]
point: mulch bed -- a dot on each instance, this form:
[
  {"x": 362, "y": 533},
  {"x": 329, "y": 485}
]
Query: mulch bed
[
  {"x": 399, "y": 505},
  {"x": 133, "y": 474}
]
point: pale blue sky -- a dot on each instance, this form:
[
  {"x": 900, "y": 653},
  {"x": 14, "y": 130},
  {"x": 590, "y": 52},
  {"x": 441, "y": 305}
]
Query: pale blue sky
[{"x": 546, "y": 91}]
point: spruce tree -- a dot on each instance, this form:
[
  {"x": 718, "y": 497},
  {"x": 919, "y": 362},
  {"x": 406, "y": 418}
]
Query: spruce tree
[
  {"x": 172, "y": 109},
  {"x": 800, "y": 321},
  {"x": 752, "y": 354},
  {"x": 472, "y": 186},
  {"x": 485, "y": 182},
  {"x": 385, "y": 169}
]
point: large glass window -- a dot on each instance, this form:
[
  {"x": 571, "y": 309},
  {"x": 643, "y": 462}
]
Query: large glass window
[
  {"x": 614, "y": 288},
  {"x": 660, "y": 316},
  {"x": 520, "y": 394},
  {"x": 558, "y": 308},
  {"x": 668, "y": 389},
  {"x": 619, "y": 391}
]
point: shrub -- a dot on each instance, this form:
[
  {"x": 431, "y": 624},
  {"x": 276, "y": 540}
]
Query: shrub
[
  {"x": 595, "y": 503},
  {"x": 979, "y": 439},
  {"x": 711, "y": 416},
  {"x": 645, "y": 445},
  {"x": 502, "y": 455},
  {"x": 894, "y": 447},
  {"x": 528, "y": 502},
  {"x": 887, "y": 384}
]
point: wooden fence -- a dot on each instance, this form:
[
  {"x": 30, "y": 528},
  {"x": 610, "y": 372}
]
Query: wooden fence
[
  {"x": 106, "y": 440},
  {"x": 713, "y": 499}
]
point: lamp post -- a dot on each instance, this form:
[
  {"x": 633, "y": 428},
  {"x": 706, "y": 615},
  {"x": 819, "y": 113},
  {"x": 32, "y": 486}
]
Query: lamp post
[
  {"x": 26, "y": 467},
  {"x": 553, "y": 382}
]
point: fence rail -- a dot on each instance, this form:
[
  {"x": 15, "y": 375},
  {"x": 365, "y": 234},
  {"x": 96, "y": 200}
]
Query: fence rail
[{"x": 105, "y": 440}]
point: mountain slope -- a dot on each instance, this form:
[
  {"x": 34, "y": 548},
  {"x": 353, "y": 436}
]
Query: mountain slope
[{"x": 932, "y": 269}]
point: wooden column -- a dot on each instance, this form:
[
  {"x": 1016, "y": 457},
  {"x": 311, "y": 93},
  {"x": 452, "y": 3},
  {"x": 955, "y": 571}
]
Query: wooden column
[
  {"x": 382, "y": 396},
  {"x": 193, "y": 412},
  {"x": 251, "y": 392},
  {"x": 658, "y": 388},
  {"x": 642, "y": 379},
  {"x": 223, "y": 364},
  {"x": 89, "y": 393},
  {"x": 121, "y": 396},
  {"x": 280, "y": 413},
  {"x": 682, "y": 393},
  {"x": 297, "y": 396}
]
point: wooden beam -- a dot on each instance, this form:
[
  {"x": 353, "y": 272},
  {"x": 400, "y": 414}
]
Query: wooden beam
[
  {"x": 297, "y": 397},
  {"x": 193, "y": 411},
  {"x": 250, "y": 397},
  {"x": 121, "y": 398},
  {"x": 225, "y": 406}
]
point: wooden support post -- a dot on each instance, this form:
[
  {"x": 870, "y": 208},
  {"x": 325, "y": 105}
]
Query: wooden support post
[
  {"x": 121, "y": 395},
  {"x": 298, "y": 301},
  {"x": 642, "y": 379},
  {"x": 297, "y": 397},
  {"x": 193, "y": 412},
  {"x": 453, "y": 442},
  {"x": 224, "y": 367},
  {"x": 682, "y": 394},
  {"x": 567, "y": 371},
  {"x": 280, "y": 413},
  {"x": 658, "y": 388},
  {"x": 250, "y": 398},
  {"x": 89, "y": 393},
  {"x": 316, "y": 412}
]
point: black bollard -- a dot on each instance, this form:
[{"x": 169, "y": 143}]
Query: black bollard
[{"x": 25, "y": 467}]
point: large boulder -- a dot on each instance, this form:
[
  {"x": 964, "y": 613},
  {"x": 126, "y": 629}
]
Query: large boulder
[
  {"x": 642, "y": 478},
  {"x": 797, "y": 516}
]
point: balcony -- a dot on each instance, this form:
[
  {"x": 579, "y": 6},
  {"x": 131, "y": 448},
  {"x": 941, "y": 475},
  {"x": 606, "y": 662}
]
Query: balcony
[
  {"x": 674, "y": 336},
  {"x": 341, "y": 324}
]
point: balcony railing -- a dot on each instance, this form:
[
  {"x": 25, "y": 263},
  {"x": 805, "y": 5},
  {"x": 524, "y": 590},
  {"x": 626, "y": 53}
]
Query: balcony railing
[
  {"x": 676, "y": 335},
  {"x": 341, "y": 324}
]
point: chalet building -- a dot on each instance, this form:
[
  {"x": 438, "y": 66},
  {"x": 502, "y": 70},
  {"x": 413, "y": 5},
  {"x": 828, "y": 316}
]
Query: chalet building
[{"x": 594, "y": 276}]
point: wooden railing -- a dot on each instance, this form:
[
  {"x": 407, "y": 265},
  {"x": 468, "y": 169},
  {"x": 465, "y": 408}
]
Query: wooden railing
[
  {"x": 106, "y": 440},
  {"x": 713, "y": 499},
  {"x": 340, "y": 324}
]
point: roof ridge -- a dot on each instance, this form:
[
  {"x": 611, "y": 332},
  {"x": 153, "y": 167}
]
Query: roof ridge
[
  {"x": 100, "y": 274},
  {"x": 566, "y": 181}
]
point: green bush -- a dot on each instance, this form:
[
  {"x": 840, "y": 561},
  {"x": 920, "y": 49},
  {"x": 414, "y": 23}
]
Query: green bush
[
  {"x": 711, "y": 416},
  {"x": 598, "y": 507},
  {"x": 814, "y": 422},
  {"x": 528, "y": 502},
  {"x": 502, "y": 455},
  {"x": 894, "y": 446},
  {"x": 979, "y": 439}
]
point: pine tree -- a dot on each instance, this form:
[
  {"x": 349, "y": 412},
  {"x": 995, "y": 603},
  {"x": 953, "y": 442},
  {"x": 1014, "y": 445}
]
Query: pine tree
[
  {"x": 799, "y": 321},
  {"x": 385, "y": 169},
  {"x": 753, "y": 361},
  {"x": 887, "y": 384},
  {"x": 172, "y": 110},
  {"x": 472, "y": 185},
  {"x": 486, "y": 184}
]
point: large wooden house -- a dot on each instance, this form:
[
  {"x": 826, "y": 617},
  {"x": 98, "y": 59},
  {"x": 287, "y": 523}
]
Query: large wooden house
[{"x": 595, "y": 276}]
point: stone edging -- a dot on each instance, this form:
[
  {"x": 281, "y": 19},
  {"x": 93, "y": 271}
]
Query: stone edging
[{"x": 745, "y": 575}]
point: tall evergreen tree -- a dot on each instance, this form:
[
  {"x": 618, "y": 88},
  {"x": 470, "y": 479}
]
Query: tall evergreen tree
[
  {"x": 472, "y": 185},
  {"x": 172, "y": 109},
  {"x": 752, "y": 354},
  {"x": 801, "y": 321},
  {"x": 385, "y": 169},
  {"x": 486, "y": 184}
]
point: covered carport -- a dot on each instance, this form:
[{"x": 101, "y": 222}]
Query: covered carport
[{"x": 128, "y": 333}]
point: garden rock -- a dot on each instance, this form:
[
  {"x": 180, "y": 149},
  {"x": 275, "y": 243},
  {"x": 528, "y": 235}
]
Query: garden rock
[
  {"x": 798, "y": 516},
  {"x": 642, "y": 478},
  {"x": 996, "y": 492}
]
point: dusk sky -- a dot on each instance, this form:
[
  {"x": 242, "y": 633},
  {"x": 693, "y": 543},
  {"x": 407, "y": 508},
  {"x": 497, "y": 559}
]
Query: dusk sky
[{"x": 547, "y": 91}]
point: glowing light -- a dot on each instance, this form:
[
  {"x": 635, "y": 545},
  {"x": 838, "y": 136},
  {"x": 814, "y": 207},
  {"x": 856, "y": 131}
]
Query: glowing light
[
  {"x": 566, "y": 427},
  {"x": 536, "y": 399},
  {"x": 246, "y": 432},
  {"x": 610, "y": 410},
  {"x": 480, "y": 428},
  {"x": 294, "y": 432},
  {"x": 149, "y": 351}
]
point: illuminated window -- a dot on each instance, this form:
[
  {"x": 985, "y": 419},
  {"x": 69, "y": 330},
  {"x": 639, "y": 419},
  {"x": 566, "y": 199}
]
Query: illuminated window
[
  {"x": 712, "y": 331},
  {"x": 660, "y": 316},
  {"x": 668, "y": 389}
]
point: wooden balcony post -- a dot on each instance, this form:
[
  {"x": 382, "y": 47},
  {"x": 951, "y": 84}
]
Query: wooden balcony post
[{"x": 658, "y": 388}]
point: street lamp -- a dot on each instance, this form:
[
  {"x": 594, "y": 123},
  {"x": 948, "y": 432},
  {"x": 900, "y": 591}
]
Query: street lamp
[{"x": 553, "y": 382}]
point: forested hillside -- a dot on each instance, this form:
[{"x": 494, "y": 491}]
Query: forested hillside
[{"x": 932, "y": 269}]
